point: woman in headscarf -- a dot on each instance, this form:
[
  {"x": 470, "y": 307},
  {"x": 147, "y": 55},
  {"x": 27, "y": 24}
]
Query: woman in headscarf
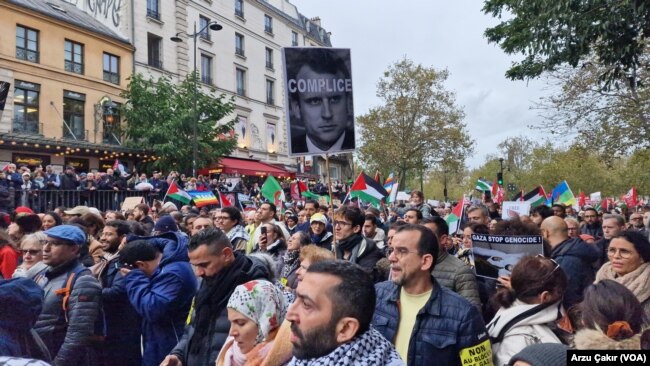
[{"x": 255, "y": 310}]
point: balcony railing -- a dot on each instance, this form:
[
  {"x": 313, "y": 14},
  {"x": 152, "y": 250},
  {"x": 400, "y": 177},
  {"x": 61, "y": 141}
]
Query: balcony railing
[
  {"x": 26, "y": 126},
  {"x": 75, "y": 67},
  {"x": 239, "y": 13},
  {"x": 27, "y": 55},
  {"x": 153, "y": 13},
  {"x": 268, "y": 29},
  {"x": 74, "y": 133},
  {"x": 269, "y": 65},
  {"x": 112, "y": 77},
  {"x": 112, "y": 138},
  {"x": 157, "y": 63},
  {"x": 205, "y": 35},
  {"x": 241, "y": 91},
  {"x": 239, "y": 51},
  {"x": 270, "y": 101}
]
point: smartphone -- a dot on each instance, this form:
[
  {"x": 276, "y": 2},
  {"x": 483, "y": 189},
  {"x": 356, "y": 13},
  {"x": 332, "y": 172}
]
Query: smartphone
[{"x": 263, "y": 230}]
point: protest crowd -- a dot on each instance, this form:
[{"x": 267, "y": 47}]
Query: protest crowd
[{"x": 183, "y": 275}]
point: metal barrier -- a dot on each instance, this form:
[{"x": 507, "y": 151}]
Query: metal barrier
[{"x": 41, "y": 201}]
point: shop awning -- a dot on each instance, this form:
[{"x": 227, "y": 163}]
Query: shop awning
[{"x": 246, "y": 167}]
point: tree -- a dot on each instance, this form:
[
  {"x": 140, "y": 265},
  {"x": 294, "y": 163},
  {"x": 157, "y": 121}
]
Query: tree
[
  {"x": 160, "y": 119},
  {"x": 550, "y": 33},
  {"x": 417, "y": 127},
  {"x": 611, "y": 121}
]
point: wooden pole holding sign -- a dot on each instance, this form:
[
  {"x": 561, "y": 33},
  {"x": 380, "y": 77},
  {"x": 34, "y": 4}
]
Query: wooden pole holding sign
[{"x": 329, "y": 179}]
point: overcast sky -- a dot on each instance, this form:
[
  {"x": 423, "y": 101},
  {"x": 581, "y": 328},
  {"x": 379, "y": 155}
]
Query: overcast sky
[{"x": 439, "y": 33}]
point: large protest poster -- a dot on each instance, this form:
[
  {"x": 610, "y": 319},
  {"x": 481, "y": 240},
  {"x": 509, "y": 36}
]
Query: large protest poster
[
  {"x": 496, "y": 255},
  {"x": 318, "y": 100}
]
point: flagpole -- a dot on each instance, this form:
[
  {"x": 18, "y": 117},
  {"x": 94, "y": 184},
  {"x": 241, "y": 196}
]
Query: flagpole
[{"x": 329, "y": 179}]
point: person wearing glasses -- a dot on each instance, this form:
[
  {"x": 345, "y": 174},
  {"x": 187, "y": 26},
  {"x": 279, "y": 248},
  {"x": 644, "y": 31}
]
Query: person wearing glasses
[
  {"x": 67, "y": 329},
  {"x": 629, "y": 265},
  {"x": 230, "y": 221},
  {"x": 529, "y": 308},
  {"x": 423, "y": 319},
  {"x": 574, "y": 256},
  {"x": 350, "y": 244},
  {"x": 31, "y": 247},
  {"x": 636, "y": 223}
]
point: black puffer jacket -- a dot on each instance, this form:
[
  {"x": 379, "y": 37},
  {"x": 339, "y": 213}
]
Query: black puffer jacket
[
  {"x": 69, "y": 342},
  {"x": 218, "y": 331}
]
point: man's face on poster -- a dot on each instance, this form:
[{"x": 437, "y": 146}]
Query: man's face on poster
[{"x": 325, "y": 113}]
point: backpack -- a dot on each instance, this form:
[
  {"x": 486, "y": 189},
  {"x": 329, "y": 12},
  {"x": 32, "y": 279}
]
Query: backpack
[{"x": 99, "y": 333}]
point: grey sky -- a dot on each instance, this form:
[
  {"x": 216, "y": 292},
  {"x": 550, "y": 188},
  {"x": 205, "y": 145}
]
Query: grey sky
[{"x": 438, "y": 33}]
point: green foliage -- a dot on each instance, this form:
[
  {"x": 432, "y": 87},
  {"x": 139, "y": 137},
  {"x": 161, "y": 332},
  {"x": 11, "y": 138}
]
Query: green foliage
[
  {"x": 549, "y": 33},
  {"x": 418, "y": 128},
  {"x": 160, "y": 118},
  {"x": 545, "y": 164}
]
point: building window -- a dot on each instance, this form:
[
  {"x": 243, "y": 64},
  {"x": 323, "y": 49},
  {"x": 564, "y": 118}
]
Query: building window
[
  {"x": 206, "y": 69},
  {"x": 111, "y": 68},
  {"x": 269, "y": 92},
  {"x": 153, "y": 10},
  {"x": 239, "y": 44},
  {"x": 74, "y": 57},
  {"x": 294, "y": 38},
  {"x": 241, "y": 82},
  {"x": 269, "y": 58},
  {"x": 26, "y": 108},
  {"x": 73, "y": 116},
  {"x": 268, "y": 24},
  {"x": 239, "y": 8},
  {"x": 203, "y": 24},
  {"x": 154, "y": 46},
  {"x": 112, "y": 123},
  {"x": 334, "y": 172},
  {"x": 27, "y": 44}
]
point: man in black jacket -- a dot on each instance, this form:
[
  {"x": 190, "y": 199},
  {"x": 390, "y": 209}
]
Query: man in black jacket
[
  {"x": 221, "y": 270},
  {"x": 575, "y": 257},
  {"x": 350, "y": 243},
  {"x": 123, "y": 332}
]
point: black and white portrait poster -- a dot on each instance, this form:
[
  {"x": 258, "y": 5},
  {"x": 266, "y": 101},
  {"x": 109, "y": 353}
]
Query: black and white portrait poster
[{"x": 318, "y": 87}]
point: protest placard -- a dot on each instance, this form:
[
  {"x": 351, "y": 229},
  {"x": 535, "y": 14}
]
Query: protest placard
[
  {"x": 496, "y": 255},
  {"x": 513, "y": 209}
]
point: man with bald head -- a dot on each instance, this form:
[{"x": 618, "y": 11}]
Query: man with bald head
[{"x": 574, "y": 256}]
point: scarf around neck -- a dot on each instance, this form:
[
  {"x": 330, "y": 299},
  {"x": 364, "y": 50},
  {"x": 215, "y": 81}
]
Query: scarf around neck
[
  {"x": 237, "y": 232},
  {"x": 291, "y": 262},
  {"x": 213, "y": 297},
  {"x": 368, "y": 349},
  {"x": 635, "y": 281}
]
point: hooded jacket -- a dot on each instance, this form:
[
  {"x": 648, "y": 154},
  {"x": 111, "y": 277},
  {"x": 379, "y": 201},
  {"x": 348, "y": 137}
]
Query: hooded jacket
[
  {"x": 164, "y": 300},
  {"x": 21, "y": 301},
  {"x": 253, "y": 269},
  {"x": 529, "y": 330},
  {"x": 595, "y": 339},
  {"x": 576, "y": 259}
]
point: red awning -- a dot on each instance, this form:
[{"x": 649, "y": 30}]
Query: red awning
[{"x": 246, "y": 167}]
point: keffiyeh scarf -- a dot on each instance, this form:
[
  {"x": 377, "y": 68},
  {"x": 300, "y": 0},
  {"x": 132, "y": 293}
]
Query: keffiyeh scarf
[
  {"x": 369, "y": 349},
  {"x": 291, "y": 262},
  {"x": 237, "y": 232}
]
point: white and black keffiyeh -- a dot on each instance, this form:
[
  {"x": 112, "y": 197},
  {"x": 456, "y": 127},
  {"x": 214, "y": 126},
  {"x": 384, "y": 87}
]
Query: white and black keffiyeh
[
  {"x": 237, "y": 232},
  {"x": 369, "y": 349}
]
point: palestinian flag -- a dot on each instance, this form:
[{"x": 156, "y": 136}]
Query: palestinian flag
[
  {"x": 178, "y": 194},
  {"x": 313, "y": 196},
  {"x": 367, "y": 189},
  {"x": 483, "y": 185},
  {"x": 455, "y": 217},
  {"x": 631, "y": 198},
  {"x": 536, "y": 197},
  {"x": 272, "y": 191},
  {"x": 225, "y": 202}
]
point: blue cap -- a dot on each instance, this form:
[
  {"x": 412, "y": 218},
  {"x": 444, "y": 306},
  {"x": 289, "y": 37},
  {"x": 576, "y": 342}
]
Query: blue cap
[{"x": 68, "y": 233}]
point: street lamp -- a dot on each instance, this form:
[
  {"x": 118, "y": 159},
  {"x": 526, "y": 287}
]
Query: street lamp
[{"x": 213, "y": 25}]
